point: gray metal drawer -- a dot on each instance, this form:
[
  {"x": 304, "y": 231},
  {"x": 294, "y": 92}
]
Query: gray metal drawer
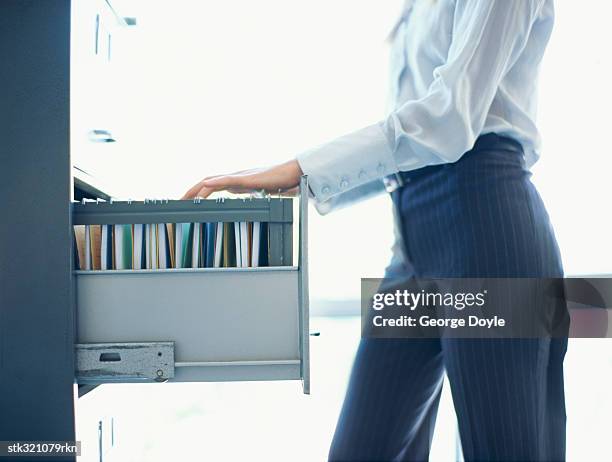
[
  {"x": 224, "y": 324},
  {"x": 223, "y": 321}
]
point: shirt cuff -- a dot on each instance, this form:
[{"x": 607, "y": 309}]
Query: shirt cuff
[{"x": 347, "y": 162}]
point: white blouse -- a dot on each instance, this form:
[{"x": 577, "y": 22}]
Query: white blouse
[{"x": 459, "y": 69}]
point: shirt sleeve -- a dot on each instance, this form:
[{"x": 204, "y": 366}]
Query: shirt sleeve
[{"x": 488, "y": 37}]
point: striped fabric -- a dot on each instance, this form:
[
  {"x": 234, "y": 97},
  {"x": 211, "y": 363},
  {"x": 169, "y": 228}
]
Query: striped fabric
[{"x": 478, "y": 217}]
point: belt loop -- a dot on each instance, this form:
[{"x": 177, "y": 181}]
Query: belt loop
[{"x": 393, "y": 182}]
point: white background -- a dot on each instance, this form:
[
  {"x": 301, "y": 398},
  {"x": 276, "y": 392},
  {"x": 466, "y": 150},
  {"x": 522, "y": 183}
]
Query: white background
[{"x": 219, "y": 86}]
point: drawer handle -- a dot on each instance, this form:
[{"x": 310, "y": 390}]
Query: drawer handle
[
  {"x": 110, "y": 357},
  {"x": 101, "y": 136}
]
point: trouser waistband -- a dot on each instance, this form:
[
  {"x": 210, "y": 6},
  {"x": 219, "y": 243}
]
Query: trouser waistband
[{"x": 483, "y": 142}]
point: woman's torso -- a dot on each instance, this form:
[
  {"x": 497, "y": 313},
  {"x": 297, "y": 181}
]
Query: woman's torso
[{"x": 420, "y": 43}]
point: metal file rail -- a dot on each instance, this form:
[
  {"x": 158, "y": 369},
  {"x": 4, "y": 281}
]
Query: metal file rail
[{"x": 216, "y": 324}]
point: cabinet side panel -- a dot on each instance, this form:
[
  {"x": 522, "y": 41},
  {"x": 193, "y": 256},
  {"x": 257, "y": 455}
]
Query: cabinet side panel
[{"x": 36, "y": 301}]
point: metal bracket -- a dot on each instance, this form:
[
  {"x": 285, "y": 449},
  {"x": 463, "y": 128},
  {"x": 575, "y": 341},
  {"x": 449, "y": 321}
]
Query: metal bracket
[{"x": 124, "y": 362}]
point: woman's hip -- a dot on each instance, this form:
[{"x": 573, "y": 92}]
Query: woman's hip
[{"x": 478, "y": 217}]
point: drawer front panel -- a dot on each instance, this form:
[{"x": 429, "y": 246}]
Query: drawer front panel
[{"x": 213, "y": 316}]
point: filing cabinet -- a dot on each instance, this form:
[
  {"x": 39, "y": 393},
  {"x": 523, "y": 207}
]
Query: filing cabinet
[{"x": 200, "y": 324}]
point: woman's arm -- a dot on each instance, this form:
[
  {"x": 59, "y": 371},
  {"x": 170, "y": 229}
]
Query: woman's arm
[{"x": 488, "y": 35}]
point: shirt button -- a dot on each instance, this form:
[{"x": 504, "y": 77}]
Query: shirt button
[
  {"x": 325, "y": 190},
  {"x": 362, "y": 175},
  {"x": 381, "y": 168},
  {"x": 344, "y": 183}
]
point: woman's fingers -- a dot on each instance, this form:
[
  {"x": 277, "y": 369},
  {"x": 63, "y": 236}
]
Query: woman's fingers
[
  {"x": 203, "y": 193},
  {"x": 193, "y": 191},
  {"x": 204, "y": 189},
  {"x": 281, "y": 178},
  {"x": 201, "y": 188}
]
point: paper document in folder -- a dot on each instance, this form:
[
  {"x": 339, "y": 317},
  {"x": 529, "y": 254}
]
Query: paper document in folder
[
  {"x": 81, "y": 241},
  {"x": 162, "y": 246},
  {"x": 123, "y": 247},
  {"x": 95, "y": 242},
  {"x": 244, "y": 244},
  {"x": 229, "y": 245},
  {"x": 155, "y": 245},
  {"x": 184, "y": 244},
  {"x": 255, "y": 244},
  {"x": 218, "y": 258},
  {"x": 250, "y": 244},
  {"x": 195, "y": 245},
  {"x": 147, "y": 238},
  {"x": 118, "y": 247},
  {"x": 209, "y": 257},
  {"x": 171, "y": 244},
  {"x": 75, "y": 253},
  {"x": 151, "y": 246},
  {"x": 138, "y": 247},
  {"x": 264, "y": 247},
  {"x": 178, "y": 245},
  {"x": 237, "y": 242},
  {"x": 202, "y": 252},
  {"x": 106, "y": 248},
  {"x": 88, "y": 249}
]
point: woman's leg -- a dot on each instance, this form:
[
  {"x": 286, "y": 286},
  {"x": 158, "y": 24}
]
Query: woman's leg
[
  {"x": 508, "y": 393},
  {"x": 482, "y": 218},
  {"x": 391, "y": 403},
  {"x": 392, "y": 399},
  {"x": 508, "y": 396}
]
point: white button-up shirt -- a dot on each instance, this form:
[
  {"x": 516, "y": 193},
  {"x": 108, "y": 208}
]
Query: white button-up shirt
[{"x": 459, "y": 69}]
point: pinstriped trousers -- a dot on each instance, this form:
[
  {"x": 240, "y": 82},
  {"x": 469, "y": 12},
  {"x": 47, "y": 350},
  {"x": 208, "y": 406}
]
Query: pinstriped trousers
[{"x": 478, "y": 217}]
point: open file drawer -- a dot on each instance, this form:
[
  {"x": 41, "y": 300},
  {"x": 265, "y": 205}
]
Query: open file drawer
[{"x": 203, "y": 324}]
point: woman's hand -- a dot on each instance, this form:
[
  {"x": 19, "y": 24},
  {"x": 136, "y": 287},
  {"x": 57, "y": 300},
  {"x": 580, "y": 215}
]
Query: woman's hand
[{"x": 283, "y": 177}]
